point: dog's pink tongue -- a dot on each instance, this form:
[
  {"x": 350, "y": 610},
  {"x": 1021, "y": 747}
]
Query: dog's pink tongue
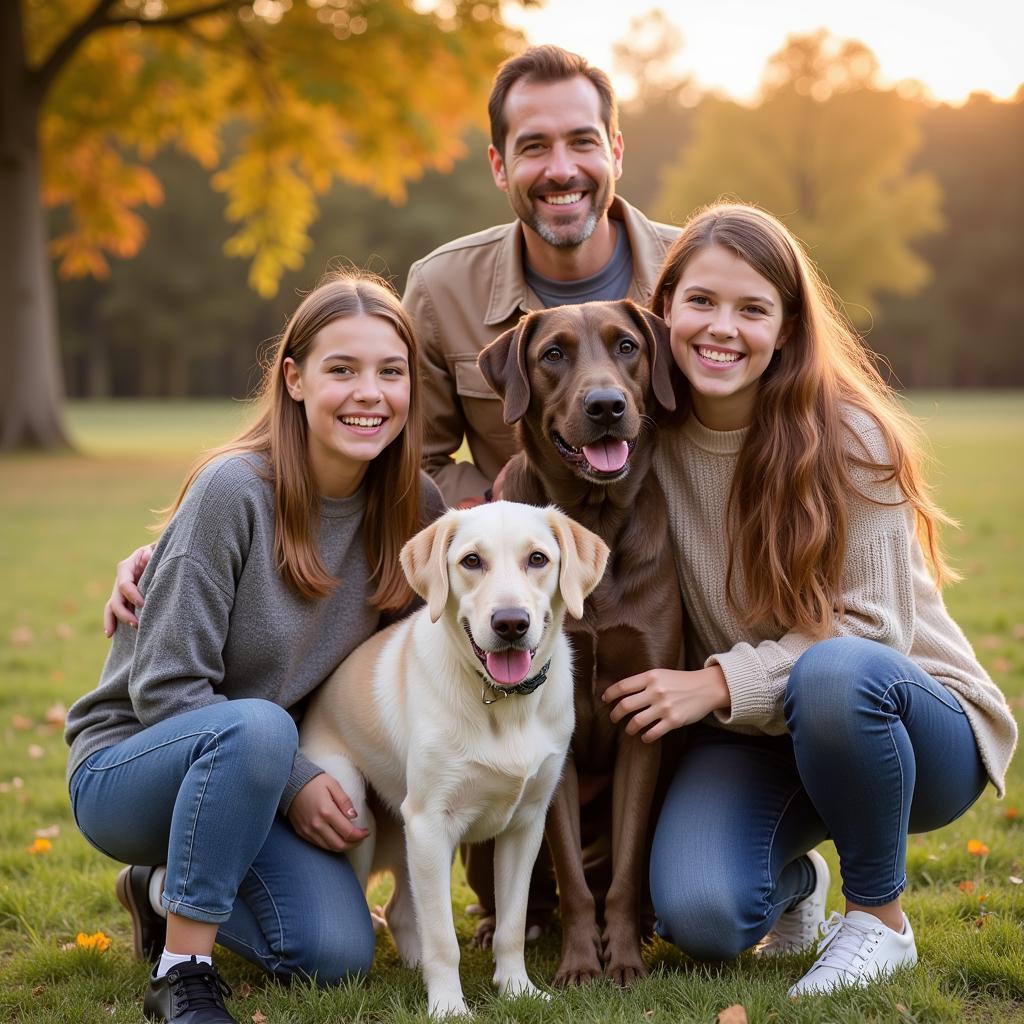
[
  {"x": 509, "y": 667},
  {"x": 607, "y": 455}
]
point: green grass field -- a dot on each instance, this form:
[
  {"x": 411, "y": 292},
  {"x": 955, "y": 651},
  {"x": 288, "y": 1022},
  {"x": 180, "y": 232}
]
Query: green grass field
[{"x": 66, "y": 519}]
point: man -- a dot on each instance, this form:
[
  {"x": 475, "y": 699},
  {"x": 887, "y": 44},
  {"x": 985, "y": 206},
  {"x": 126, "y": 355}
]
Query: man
[{"x": 556, "y": 151}]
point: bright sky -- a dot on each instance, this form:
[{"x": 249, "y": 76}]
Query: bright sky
[{"x": 952, "y": 46}]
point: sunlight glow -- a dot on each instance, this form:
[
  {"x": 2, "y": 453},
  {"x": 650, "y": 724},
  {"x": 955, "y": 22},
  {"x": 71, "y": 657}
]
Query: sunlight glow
[{"x": 952, "y": 48}]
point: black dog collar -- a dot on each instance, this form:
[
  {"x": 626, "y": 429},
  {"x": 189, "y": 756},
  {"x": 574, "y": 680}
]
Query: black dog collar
[{"x": 525, "y": 687}]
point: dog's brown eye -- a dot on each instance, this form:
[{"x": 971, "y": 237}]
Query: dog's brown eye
[
  {"x": 627, "y": 346},
  {"x": 553, "y": 354},
  {"x": 471, "y": 561},
  {"x": 538, "y": 560}
]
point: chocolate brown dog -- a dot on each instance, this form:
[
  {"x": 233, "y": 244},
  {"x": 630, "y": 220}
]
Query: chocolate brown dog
[{"x": 584, "y": 384}]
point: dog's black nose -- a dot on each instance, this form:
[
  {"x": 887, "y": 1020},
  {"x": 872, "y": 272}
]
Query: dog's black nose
[
  {"x": 605, "y": 405},
  {"x": 510, "y": 623}
]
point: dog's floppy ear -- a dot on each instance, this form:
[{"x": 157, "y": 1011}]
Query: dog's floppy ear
[
  {"x": 503, "y": 364},
  {"x": 584, "y": 556},
  {"x": 656, "y": 331},
  {"x": 424, "y": 561}
]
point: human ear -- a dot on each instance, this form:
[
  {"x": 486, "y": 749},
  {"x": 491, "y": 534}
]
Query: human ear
[
  {"x": 617, "y": 146},
  {"x": 666, "y": 308},
  {"x": 292, "y": 378},
  {"x": 497, "y": 168},
  {"x": 784, "y": 332}
]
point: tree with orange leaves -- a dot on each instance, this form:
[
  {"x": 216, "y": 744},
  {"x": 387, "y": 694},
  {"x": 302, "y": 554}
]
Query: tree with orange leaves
[{"x": 370, "y": 91}]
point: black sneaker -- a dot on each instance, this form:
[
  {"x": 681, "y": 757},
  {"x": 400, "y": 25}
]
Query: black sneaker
[
  {"x": 190, "y": 993},
  {"x": 149, "y": 929}
]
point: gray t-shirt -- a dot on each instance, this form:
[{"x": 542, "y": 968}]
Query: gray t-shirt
[
  {"x": 611, "y": 282},
  {"x": 221, "y": 623}
]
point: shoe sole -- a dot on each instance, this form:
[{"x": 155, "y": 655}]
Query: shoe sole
[{"x": 126, "y": 897}]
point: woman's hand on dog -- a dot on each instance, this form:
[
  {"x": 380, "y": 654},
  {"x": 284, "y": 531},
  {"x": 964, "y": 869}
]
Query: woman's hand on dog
[
  {"x": 663, "y": 699},
  {"x": 126, "y": 596},
  {"x": 322, "y": 814}
]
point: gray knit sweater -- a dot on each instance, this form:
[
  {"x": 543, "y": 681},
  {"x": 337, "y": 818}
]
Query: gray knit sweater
[
  {"x": 220, "y": 622},
  {"x": 888, "y": 592}
]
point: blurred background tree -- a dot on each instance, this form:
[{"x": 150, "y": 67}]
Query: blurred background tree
[
  {"x": 965, "y": 327},
  {"x": 829, "y": 153},
  {"x": 914, "y": 209},
  {"x": 657, "y": 119},
  {"x": 276, "y": 98}
]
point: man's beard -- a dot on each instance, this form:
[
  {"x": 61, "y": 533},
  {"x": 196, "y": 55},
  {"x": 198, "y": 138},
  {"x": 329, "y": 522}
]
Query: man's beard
[
  {"x": 566, "y": 236},
  {"x": 557, "y": 240}
]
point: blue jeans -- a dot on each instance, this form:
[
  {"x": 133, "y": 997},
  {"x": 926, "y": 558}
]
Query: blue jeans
[
  {"x": 199, "y": 792},
  {"x": 876, "y": 749}
]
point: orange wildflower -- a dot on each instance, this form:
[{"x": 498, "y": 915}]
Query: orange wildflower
[
  {"x": 966, "y": 886},
  {"x": 976, "y": 848},
  {"x": 1011, "y": 814},
  {"x": 40, "y": 845},
  {"x": 97, "y": 941}
]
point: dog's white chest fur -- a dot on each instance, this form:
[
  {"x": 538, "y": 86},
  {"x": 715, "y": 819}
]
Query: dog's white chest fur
[{"x": 494, "y": 794}]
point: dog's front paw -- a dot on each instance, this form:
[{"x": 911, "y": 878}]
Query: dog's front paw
[
  {"x": 623, "y": 964},
  {"x": 624, "y": 974},
  {"x": 572, "y": 974},
  {"x": 519, "y": 985},
  {"x": 581, "y": 955},
  {"x": 447, "y": 1004}
]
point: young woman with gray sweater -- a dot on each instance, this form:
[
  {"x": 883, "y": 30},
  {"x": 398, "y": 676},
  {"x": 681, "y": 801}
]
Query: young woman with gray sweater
[
  {"x": 278, "y": 558},
  {"x": 828, "y": 694}
]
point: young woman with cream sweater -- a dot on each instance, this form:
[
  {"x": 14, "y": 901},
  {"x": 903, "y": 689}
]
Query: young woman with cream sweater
[{"x": 828, "y": 694}]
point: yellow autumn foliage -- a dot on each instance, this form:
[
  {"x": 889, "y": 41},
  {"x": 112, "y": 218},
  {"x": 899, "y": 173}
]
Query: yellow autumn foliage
[{"x": 277, "y": 99}]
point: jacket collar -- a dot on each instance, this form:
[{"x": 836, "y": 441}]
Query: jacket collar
[{"x": 510, "y": 293}]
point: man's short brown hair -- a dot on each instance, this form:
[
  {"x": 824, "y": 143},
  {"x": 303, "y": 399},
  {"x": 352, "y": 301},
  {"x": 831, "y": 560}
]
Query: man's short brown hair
[{"x": 547, "y": 64}]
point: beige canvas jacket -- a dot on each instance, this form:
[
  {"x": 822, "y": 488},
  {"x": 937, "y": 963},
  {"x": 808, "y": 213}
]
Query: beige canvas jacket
[{"x": 461, "y": 297}]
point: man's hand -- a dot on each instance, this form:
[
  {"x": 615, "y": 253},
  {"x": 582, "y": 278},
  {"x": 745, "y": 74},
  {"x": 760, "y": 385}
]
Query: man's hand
[
  {"x": 322, "y": 814},
  {"x": 663, "y": 699},
  {"x": 126, "y": 597}
]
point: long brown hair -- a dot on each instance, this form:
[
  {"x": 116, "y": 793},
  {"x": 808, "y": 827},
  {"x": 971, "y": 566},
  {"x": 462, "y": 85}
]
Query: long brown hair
[
  {"x": 279, "y": 433},
  {"x": 788, "y": 505}
]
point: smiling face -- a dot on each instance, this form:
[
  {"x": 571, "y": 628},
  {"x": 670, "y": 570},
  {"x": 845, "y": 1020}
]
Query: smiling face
[
  {"x": 725, "y": 323},
  {"x": 355, "y": 386},
  {"x": 559, "y": 167},
  {"x": 501, "y": 577},
  {"x": 589, "y": 369}
]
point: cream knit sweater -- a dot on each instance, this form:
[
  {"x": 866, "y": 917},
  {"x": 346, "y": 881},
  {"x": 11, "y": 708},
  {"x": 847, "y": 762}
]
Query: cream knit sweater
[{"x": 888, "y": 592}]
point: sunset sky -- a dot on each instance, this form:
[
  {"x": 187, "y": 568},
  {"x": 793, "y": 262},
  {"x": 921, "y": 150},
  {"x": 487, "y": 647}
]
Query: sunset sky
[{"x": 953, "y": 47}]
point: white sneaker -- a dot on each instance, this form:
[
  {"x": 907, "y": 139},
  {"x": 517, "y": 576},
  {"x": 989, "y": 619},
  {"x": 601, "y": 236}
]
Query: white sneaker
[
  {"x": 855, "y": 950},
  {"x": 798, "y": 929}
]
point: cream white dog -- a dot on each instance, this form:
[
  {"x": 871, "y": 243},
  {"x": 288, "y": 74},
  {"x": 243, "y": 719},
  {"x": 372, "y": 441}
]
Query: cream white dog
[{"x": 459, "y": 718}]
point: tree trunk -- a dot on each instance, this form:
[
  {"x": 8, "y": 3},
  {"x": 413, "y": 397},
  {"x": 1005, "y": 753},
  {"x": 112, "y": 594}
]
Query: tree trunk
[{"x": 31, "y": 380}]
